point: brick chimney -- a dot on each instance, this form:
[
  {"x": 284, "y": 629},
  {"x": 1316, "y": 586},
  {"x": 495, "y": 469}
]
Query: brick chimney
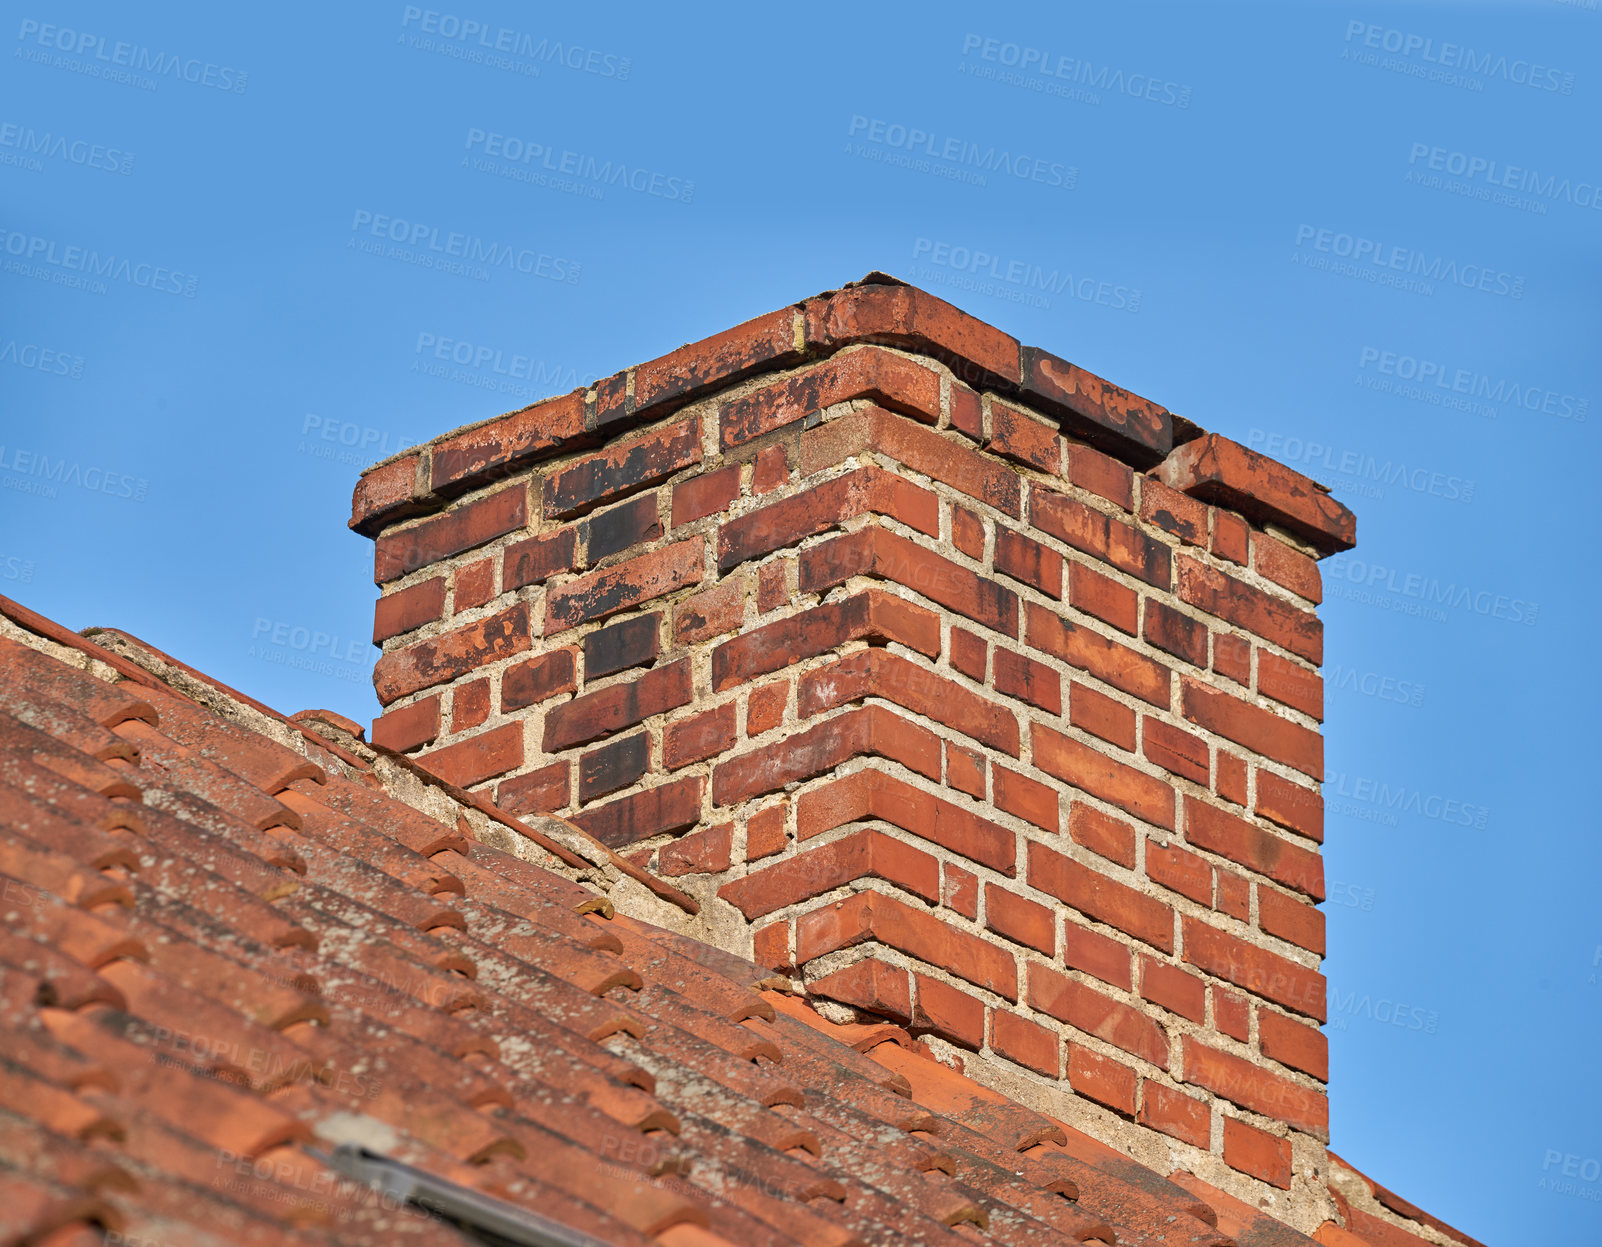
[{"x": 963, "y": 686}]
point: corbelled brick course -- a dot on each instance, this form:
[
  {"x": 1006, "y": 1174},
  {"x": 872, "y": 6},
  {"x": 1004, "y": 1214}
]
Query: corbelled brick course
[{"x": 936, "y": 672}]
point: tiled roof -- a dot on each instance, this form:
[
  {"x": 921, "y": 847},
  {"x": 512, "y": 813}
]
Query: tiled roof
[{"x": 229, "y": 945}]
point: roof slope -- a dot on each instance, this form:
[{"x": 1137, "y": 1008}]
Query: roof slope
[{"x": 225, "y": 951}]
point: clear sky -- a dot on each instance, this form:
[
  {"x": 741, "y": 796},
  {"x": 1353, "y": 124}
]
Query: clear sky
[{"x": 1361, "y": 238}]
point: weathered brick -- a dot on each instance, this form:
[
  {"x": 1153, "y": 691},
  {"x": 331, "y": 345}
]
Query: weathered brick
[
  {"x": 539, "y": 792},
  {"x": 1288, "y": 568},
  {"x": 967, "y": 532},
  {"x": 764, "y": 342},
  {"x": 1097, "y": 534},
  {"x": 764, "y": 709},
  {"x": 1231, "y": 535},
  {"x": 706, "y": 852},
  {"x": 895, "y": 381},
  {"x": 1290, "y": 805},
  {"x": 623, "y": 585},
  {"x": 874, "y": 551},
  {"x": 1233, "y": 895},
  {"x": 1019, "y": 920},
  {"x": 867, "y": 729},
  {"x": 1175, "y": 750},
  {"x": 478, "y": 758},
  {"x": 1089, "y": 770},
  {"x": 1218, "y": 831},
  {"x": 1294, "y": 1043},
  {"x": 965, "y": 770},
  {"x": 1026, "y": 798},
  {"x": 770, "y": 469},
  {"x": 474, "y": 585},
  {"x": 1291, "y": 919},
  {"x": 825, "y": 506},
  {"x": 1024, "y": 439},
  {"x": 1103, "y": 597},
  {"x": 1102, "y": 834},
  {"x": 620, "y": 527},
  {"x": 470, "y": 705},
  {"x": 1258, "y": 1153},
  {"x": 1175, "y": 1114},
  {"x": 948, "y": 1012},
  {"x": 1259, "y": 971},
  {"x": 702, "y": 735},
  {"x": 617, "y": 647},
  {"x": 870, "y": 985},
  {"x": 1208, "y": 589},
  {"x": 872, "y": 615},
  {"x": 1101, "y": 716},
  {"x": 1176, "y": 634},
  {"x": 771, "y": 946},
  {"x": 1181, "y": 870},
  {"x": 1259, "y": 730},
  {"x": 1232, "y": 1013},
  {"x": 384, "y": 495},
  {"x": 443, "y": 658},
  {"x": 1229, "y": 777},
  {"x": 402, "y": 550},
  {"x": 1101, "y": 474},
  {"x": 967, "y": 412},
  {"x": 408, "y": 728},
  {"x": 1028, "y": 562},
  {"x": 712, "y": 612},
  {"x": 879, "y": 673},
  {"x": 1232, "y": 658},
  {"x": 622, "y": 468},
  {"x": 1243, "y": 1083},
  {"x": 1096, "y": 954},
  {"x": 1027, "y": 1043},
  {"x": 905, "y": 316},
  {"x": 1173, "y": 512},
  {"x": 705, "y": 495},
  {"x": 537, "y": 559},
  {"x": 969, "y": 654},
  {"x": 1173, "y": 989},
  {"x": 861, "y": 855},
  {"x": 593, "y": 715},
  {"x": 766, "y": 833},
  {"x": 613, "y": 766},
  {"x": 961, "y": 890},
  {"x": 639, "y": 816},
  {"x": 1099, "y": 412},
  {"x": 529, "y": 683},
  {"x": 773, "y": 587},
  {"x": 1290, "y": 684},
  {"x": 1102, "y": 1079},
  {"x": 503, "y": 445},
  {"x": 1112, "y": 1021},
  {"x": 1102, "y": 898},
  {"x": 408, "y": 608},
  {"x": 1103, "y": 658}
]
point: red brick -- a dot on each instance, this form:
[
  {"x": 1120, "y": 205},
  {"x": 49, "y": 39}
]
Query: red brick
[
  {"x": 1259, "y": 730},
  {"x": 617, "y": 647},
  {"x": 1104, "y": 598},
  {"x": 1218, "y": 831},
  {"x": 470, "y": 705},
  {"x": 1105, "y": 659},
  {"x": 908, "y": 317},
  {"x": 967, "y": 533},
  {"x": 967, "y": 412},
  {"x": 1095, "y": 410},
  {"x": 969, "y": 654},
  {"x": 1218, "y": 470},
  {"x": 870, "y": 985},
  {"x": 873, "y": 915},
  {"x": 618, "y": 706},
  {"x": 1029, "y": 562},
  {"x": 408, "y": 608},
  {"x": 760, "y": 343},
  {"x": 872, "y": 615},
  {"x": 641, "y": 815},
  {"x": 965, "y": 770},
  {"x": 622, "y": 468},
  {"x": 1026, "y": 798},
  {"x": 1256, "y": 969},
  {"x": 825, "y": 506},
  {"x": 1230, "y": 537},
  {"x": 1258, "y": 1153},
  {"x": 1019, "y": 920},
  {"x": 892, "y": 380},
  {"x": 1028, "y": 680},
  {"x": 868, "y": 729},
  {"x": 1023, "y": 439},
  {"x": 770, "y": 469},
  {"x": 614, "y": 766},
  {"x": 1176, "y": 750},
  {"x": 1101, "y": 474},
  {"x": 542, "y": 677},
  {"x": 707, "y": 852},
  {"x": 502, "y": 445},
  {"x": 478, "y": 758},
  {"x": 537, "y": 559},
  {"x": 946, "y": 1011},
  {"x": 1208, "y": 589},
  {"x": 1145, "y": 796},
  {"x": 1175, "y": 1114},
  {"x": 879, "y": 673},
  {"x": 773, "y": 587},
  {"x": 1234, "y": 895},
  {"x": 1232, "y": 658},
  {"x": 1101, "y": 898},
  {"x": 1101, "y": 1079},
  {"x": 861, "y": 855},
  {"x": 1096, "y": 954},
  {"x": 1290, "y": 684},
  {"x": 1101, "y": 716},
  {"x": 874, "y": 551},
  {"x": 764, "y": 709},
  {"x": 623, "y": 585},
  {"x": 1101, "y": 536},
  {"x": 618, "y": 528},
  {"x": 1232, "y": 1014},
  {"x": 1243, "y": 1083},
  {"x": 1293, "y": 1043},
  {"x": 383, "y": 494},
  {"x": 872, "y": 793},
  {"x": 1291, "y": 918},
  {"x": 962, "y": 891},
  {"x": 1288, "y": 568},
  {"x": 766, "y": 834},
  {"x": 409, "y": 727},
  {"x": 1230, "y": 777},
  {"x": 539, "y": 792},
  {"x": 705, "y": 495},
  {"x": 1173, "y": 512},
  {"x": 1290, "y": 805},
  {"x": 443, "y": 658},
  {"x": 1173, "y": 989},
  {"x": 1184, "y": 872},
  {"x": 710, "y": 613},
  {"x": 770, "y": 946},
  {"x": 402, "y": 550},
  {"x": 1081, "y": 1006},
  {"x": 1102, "y": 834},
  {"x": 1176, "y": 634},
  {"x": 475, "y": 584},
  {"x": 700, "y": 736},
  {"x": 1027, "y": 1043}
]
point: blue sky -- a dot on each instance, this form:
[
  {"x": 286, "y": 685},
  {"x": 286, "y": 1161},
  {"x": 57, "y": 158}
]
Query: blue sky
[{"x": 1361, "y": 238}]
